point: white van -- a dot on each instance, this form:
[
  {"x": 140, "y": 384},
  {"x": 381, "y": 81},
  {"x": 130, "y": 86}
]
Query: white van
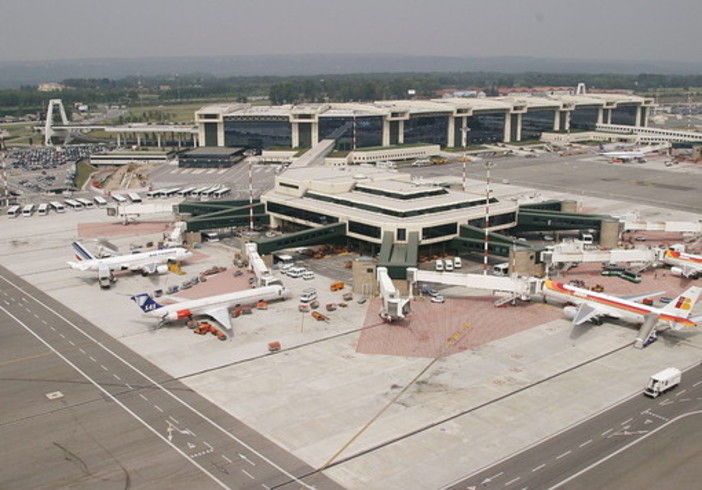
[
  {"x": 439, "y": 266},
  {"x": 457, "y": 264},
  {"x": 295, "y": 272},
  {"x": 588, "y": 239},
  {"x": 308, "y": 295},
  {"x": 500, "y": 269},
  {"x": 448, "y": 265},
  {"x": 307, "y": 275}
]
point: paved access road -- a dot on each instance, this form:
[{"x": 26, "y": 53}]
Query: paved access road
[
  {"x": 80, "y": 410},
  {"x": 641, "y": 443}
]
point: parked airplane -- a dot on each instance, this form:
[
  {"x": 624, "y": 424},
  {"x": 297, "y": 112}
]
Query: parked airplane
[
  {"x": 143, "y": 262},
  {"x": 625, "y": 156},
  {"x": 683, "y": 264},
  {"x": 592, "y": 306},
  {"x": 215, "y": 307}
]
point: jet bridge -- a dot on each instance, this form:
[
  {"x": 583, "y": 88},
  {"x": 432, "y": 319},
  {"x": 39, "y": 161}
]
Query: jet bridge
[
  {"x": 577, "y": 252},
  {"x": 394, "y": 306},
  {"x": 258, "y": 266},
  {"x": 516, "y": 287}
]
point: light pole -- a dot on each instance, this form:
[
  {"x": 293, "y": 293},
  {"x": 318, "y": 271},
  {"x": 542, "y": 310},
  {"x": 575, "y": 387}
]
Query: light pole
[
  {"x": 249, "y": 157},
  {"x": 488, "y": 165}
]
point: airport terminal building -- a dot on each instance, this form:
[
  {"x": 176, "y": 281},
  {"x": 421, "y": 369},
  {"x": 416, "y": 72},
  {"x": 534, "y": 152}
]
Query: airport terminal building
[{"x": 447, "y": 122}]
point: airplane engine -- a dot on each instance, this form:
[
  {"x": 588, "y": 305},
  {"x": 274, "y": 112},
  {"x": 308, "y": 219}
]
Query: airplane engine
[
  {"x": 676, "y": 271},
  {"x": 570, "y": 311},
  {"x": 161, "y": 269}
]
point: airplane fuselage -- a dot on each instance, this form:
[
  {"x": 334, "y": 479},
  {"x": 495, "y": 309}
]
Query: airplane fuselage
[{"x": 609, "y": 305}]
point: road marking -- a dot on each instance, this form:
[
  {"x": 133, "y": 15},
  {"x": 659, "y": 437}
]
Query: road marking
[
  {"x": 143, "y": 397},
  {"x": 680, "y": 392},
  {"x": 108, "y": 394},
  {"x": 36, "y": 316},
  {"x": 52, "y": 328},
  {"x": 72, "y": 343},
  {"x": 92, "y": 358},
  {"x": 696, "y": 384},
  {"x": 512, "y": 481},
  {"x": 173, "y": 419},
  {"x": 129, "y": 387},
  {"x": 585, "y": 443},
  {"x": 564, "y": 455},
  {"x": 243, "y": 456},
  {"x": 62, "y": 336},
  {"x": 158, "y": 408},
  {"x": 155, "y": 384},
  {"x": 606, "y": 432},
  {"x": 81, "y": 350},
  {"x": 627, "y": 421},
  {"x": 227, "y": 459},
  {"x": 103, "y": 367},
  {"x": 247, "y": 474},
  {"x": 116, "y": 377},
  {"x": 538, "y": 468}
]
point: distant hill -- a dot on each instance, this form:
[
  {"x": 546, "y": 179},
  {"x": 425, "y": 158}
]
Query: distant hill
[{"x": 14, "y": 74}]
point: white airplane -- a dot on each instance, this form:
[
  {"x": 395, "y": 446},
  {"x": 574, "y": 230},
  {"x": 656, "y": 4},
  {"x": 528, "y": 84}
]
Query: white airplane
[
  {"x": 143, "y": 262},
  {"x": 625, "y": 156},
  {"x": 215, "y": 307},
  {"x": 683, "y": 264},
  {"x": 592, "y": 306}
]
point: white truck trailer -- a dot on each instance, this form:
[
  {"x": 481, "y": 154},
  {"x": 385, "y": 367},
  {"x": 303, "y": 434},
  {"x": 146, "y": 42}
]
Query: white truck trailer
[{"x": 663, "y": 381}]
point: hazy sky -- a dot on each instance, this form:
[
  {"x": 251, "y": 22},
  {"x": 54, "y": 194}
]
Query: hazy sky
[{"x": 573, "y": 29}]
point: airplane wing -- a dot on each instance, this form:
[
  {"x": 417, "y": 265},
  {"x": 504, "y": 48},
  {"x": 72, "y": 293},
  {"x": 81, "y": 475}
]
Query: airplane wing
[
  {"x": 640, "y": 296},
  {"x": 220, "y": 315},
  {"x": 79, "y": 266},
  {"x": 586, "y": 312}
]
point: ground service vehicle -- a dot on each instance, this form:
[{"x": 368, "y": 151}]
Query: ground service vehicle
[
  {"x": 14, "y": 211},
  {"x": 663, "y": 381},
  {"x": 105, "y": 277},
  {"x": 439, "y": 266},
  {"x": 309, "y": 294},
  {"x": 337, "y": 285}
]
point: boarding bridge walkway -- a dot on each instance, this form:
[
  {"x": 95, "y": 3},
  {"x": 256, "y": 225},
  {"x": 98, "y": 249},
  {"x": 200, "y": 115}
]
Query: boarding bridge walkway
[
  {"x": 312, "y": 236},
  {"x": 577, "y": 252},
  {"x": 516, "y": 287},
  {"x": 668, "y": 226},
  {"x": 315, "y": 155}
]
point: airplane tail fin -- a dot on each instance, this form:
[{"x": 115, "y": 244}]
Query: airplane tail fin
[
  {"x": 683, "y": 304},
  {"x": 145, "y": 302},
  {"x": 81, "y": 252}
]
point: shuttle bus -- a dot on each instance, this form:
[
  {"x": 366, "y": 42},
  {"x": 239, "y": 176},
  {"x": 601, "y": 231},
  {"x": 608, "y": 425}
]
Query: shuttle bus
[
  {"x": 171, "y": 192},
  {"x": 119, "y": 198},
  {"x": 28, "y": 210},
  {"x": 43, "y": 209},
  {"x": 58, "y": 207},
  {"x": 73, "y": 204},
  {"x": 221, "y": 192},
  {"x": 185, "y": 192},
  {"x": 100, "y": 201},
  {"x": 155, "y": 193},
  {"x": 87, "y": 203},
  {"x": 14, "y": 211},
  {"x": 134, "y": 197},
  {"x": 209, "y": 191}
]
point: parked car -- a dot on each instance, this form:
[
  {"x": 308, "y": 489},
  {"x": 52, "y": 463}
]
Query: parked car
[{"x": 438, "y": 299}]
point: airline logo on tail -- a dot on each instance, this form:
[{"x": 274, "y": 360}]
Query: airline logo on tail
[
  {"x": 683, "y": 303},
  {"x": 145, "y": 302},
  {"x": 81, "y": 252}
]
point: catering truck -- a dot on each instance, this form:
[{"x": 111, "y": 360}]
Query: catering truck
[{"x": 663, "y": 381}]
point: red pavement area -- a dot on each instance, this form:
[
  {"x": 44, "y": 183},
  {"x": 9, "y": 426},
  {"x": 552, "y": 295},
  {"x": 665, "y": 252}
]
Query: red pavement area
[
  {"x": 439, "y": 330},
  {"x": 220, "y": 283},
  {"x": 94, "y": 230}
]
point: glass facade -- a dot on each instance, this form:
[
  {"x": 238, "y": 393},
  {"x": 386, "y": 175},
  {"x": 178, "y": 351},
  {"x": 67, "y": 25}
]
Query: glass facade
[
  {"x": 536, "y": 122},
  {"x": 584, "y": 118},
  {"x": 292, "y": 212},
  {"x": 364, "y": 229},
  {"x": 486, "y": 128},
  {"x": 258, "y": 134},
  {"x": 449, "y": 229},
  {"x": 431, "y": 129},
  {"x": 624, "y": 115},
  {"x": 368, "y": 131}
]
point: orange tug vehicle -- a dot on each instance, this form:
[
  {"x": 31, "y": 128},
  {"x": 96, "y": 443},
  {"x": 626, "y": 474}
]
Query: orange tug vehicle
[{"x": 205, "y": 328}]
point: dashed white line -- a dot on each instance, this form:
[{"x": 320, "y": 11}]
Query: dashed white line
[
  {"x": 92, "y": 358},
  {"x": 62, "y": 336},
  {"x": 129, "y": 387},
  {"x": 680, "y": 392},
  {"x": 52, "y": 328},
  {"x": 606, "y": 432},
  {"x": 173, "y": 419},
  {"x": 103, "y": 367},
  {"x": 512, "y": 481},
  {"x": 72, "y": 343},
  {"x": 697, "y": 384},
  {"x": 81, "y": 350},
  {"x": 116, "y": 377},
  {"x": 627, "y": 421},
  {"x": 227, "y": 459},
  {"x": 158, "y": 408},
  {"x": 36, "y": 316},
  {"x": 563, "y": 455},
  {"x": 143, "y": 397},
  {"x": 585, "y": 443},
  {"x": 248, "y": 474},
  {"x": 497, "y": 475},
  {"x": 538, "y": 468}
]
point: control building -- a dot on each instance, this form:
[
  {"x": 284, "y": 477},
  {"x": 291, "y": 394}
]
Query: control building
[{"x": 447, "y": 122}]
